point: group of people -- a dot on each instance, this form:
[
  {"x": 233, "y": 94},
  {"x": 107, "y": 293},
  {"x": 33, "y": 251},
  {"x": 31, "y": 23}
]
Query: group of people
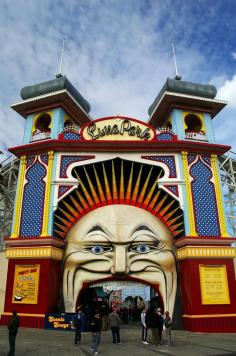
[
  {"x": 95, "y": 326},
  {"x": 154, "y": 320},
  {"x": 150, "y": 319}
]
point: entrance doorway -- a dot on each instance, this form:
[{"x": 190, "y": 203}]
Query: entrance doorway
[{"x": 129, "y": 297}]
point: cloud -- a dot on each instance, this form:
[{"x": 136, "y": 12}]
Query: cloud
[
  {"x": 228, "y": 91},
  {"x": 117, "y": 53},
  {"x": 233, "y": 55}
]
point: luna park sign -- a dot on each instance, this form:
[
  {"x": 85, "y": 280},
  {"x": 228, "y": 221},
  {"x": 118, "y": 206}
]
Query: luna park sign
[{"x": 117, "y": 129}]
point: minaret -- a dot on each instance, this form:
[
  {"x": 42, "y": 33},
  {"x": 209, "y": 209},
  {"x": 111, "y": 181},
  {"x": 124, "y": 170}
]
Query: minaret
[
  {"x": 184, "y": 111},
  {"x": 54, "y": 111}
]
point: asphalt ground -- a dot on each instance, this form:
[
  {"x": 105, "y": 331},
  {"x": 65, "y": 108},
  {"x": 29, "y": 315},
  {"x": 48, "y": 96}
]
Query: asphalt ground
[{"x": 40, "y": 342}]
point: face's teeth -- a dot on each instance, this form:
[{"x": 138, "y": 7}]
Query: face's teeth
[{"x": 68, "y": 289}]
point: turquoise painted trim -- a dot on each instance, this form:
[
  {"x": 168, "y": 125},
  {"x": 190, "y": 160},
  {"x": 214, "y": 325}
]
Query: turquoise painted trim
[
  {"x": 177, "y": 123},
  {"x": 28, "y": 128},
  {"x": 57, "y": 122},
  {"x": 185, "y": 204},
  {"x": 53, "y": 189},
  {"x": 209, "y": 127}
]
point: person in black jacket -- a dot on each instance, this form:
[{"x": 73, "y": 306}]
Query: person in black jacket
[
  {"x": 13, "y": 326},
  {"x": 154, "y": 321},
  {"x": 79, "y": 323},
  {"x": 95, "y": 327}
]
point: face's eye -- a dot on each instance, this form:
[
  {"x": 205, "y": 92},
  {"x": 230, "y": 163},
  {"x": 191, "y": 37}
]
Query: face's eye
[
  {"x": 98, "y": 249},
  {"x": 142, "y": 248}
]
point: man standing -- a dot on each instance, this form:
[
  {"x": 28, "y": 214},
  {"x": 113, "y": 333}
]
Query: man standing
[
  {"x": 13, "y": 326},
  {"x": 114, "y": 322},
  {"x": 95, "y": 327},
  {"x": 78, "y": 322}
]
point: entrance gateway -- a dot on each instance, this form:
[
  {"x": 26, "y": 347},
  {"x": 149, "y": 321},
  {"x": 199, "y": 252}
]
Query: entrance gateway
[{"x": 118, "y": 201}]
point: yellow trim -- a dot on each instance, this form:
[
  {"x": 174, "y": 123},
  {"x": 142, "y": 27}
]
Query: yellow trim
[
  {"x": 208, "y": 316},
  {"x": 199, "y": 115},
  {"x": 203, "y": 252},
  {"x": 36, "y": 117},
  {"x": 25, "y": 314},
  {"x": 192, "y": 231},
  {"x": 67, "y": 117},
  {"x": 47, "y": 195},
  {"x": 35, "y": 252},
  {"x": 219, "y": 198},
  {"x": 19, "y": 195}
]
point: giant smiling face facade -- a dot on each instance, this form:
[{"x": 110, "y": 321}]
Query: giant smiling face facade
[{"x": 119, "y": 241}]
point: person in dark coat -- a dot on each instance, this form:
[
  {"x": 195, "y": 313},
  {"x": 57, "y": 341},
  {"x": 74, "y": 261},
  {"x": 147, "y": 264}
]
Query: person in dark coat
[
  {"x": 154, "y": 321},
  {"x": 160, "y": 324},
  {"x": 79, "y": 323},
  {"x": 13, "y": 326},
  {"x": 95, "y": 327}
]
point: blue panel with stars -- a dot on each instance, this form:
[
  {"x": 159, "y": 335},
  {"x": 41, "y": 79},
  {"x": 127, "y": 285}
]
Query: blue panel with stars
[
  {"x": 204, "y": 200},
  {"x": 71, "y": 136},
  {"x": 33, "y": 201},
  {"x": 165, "y": 137},
  {"x": 168, "y": 160},
  {"x": 66, "y": 160}
]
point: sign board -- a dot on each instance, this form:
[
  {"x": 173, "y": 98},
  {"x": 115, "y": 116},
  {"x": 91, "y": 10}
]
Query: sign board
[
  {"x": 59, "y": 322},
  {"x": 26, "y": 282},
  {"x": 117, "y": 129},
  {"x": 214, "y": 284}
]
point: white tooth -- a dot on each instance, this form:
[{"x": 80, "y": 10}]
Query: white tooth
[{"x": 68, "y": 292}]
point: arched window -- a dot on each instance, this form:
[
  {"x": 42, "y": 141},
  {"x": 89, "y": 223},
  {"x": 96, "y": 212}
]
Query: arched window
[
  {"x": 193, "y": 123},
  {"x": 43, "y": 122}
]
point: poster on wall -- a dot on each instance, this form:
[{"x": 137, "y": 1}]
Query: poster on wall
[
  {"x": 26, "y": 282},
  {"x": 214, "y": 284}
]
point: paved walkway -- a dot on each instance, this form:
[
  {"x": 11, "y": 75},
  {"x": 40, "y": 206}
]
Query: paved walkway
[{"x": 38, "y": 342}]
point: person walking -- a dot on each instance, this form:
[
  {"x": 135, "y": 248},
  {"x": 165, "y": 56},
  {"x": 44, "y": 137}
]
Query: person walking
[
  {"x": 79, "y": 323},
  {"x": 160, "y": 323},
  {"x": 114, "y": 322},
  {"x": 168, "y": 326},
  {"x": 13, "y": 326},
  {"x": 95, "y": 328},
  {"x": 144, "y": 327}
]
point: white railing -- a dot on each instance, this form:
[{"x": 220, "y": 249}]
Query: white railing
[
  {"x": 71, "y": 128},
  {"x": 41, "y": 136},
  {"x": 198, "y": 136},
  {"x": 164, "y": 130}
]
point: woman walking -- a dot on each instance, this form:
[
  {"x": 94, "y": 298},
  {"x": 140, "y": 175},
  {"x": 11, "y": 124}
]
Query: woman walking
[{"x": 144, "y": 327}]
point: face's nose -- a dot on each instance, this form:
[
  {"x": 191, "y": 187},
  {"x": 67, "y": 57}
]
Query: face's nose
[{"x": 120, "y": 263}]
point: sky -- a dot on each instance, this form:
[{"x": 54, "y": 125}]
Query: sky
[{"x": 117, "y": 53}]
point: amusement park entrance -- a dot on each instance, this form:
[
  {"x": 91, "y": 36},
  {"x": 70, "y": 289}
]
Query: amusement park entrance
[{"x": 129, "y": 297}]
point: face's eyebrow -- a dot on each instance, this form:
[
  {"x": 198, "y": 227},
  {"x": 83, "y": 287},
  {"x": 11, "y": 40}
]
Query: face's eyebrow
[
  {"x": 97, "y": 228},
  {"x": 141, "y": 228}
]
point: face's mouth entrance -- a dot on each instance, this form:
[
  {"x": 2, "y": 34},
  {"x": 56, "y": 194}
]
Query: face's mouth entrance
[{"x": 133, "y": 295}]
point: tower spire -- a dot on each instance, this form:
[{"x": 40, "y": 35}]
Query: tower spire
[
  {"x": 61, "y": 60},
  {"x": 177, "y": 76}
]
